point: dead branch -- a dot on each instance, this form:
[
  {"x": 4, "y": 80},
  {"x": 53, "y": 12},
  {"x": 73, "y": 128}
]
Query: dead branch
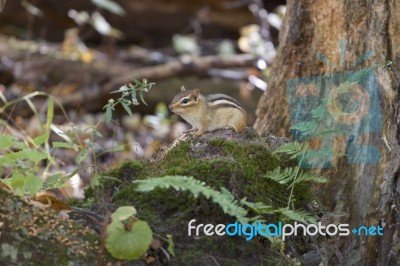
[{"x": 196, "y": 65}]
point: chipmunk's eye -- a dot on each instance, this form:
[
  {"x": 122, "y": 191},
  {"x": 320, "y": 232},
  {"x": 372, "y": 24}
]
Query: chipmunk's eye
[{"x": 185, "y": 100}]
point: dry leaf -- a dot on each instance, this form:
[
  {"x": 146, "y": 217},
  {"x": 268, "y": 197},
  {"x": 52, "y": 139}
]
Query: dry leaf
[{"x": 49, "y": 199}]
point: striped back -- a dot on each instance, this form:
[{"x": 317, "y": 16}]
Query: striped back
[{"x": 222, "y": 100}]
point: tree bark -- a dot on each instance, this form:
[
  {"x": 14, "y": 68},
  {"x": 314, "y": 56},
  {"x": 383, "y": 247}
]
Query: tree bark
[{"x": 366, "y": 191}]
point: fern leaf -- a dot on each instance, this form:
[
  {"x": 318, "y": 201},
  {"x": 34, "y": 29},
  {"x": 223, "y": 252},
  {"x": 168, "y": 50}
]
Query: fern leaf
[
  {"x": 305, "y": 126},
  {"x": 223, "y": 198},
  {"x": 282, "y": 176},
  {"x": 319, "y": 111},
  {"x": 300, "y": 216},
  {"x": 288, "y": 175},
  {"x": 308, "y": 176},
  {"x": 290, "y": 148}
]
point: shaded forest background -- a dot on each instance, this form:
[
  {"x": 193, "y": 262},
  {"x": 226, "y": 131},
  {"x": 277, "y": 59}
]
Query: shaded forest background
[{"x": 80, "y": 51}]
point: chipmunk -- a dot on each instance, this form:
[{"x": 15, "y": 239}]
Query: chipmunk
[{"x": 210, "y": 112}]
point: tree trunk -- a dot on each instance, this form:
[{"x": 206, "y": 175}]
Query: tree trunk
[{"x": 323, "y": 44}]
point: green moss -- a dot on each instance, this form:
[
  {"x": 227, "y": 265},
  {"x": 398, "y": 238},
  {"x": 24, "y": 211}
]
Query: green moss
[{"x": 237, "y": 165}]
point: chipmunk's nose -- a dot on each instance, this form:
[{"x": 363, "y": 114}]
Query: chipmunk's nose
[{"x": 170, "y": 107}]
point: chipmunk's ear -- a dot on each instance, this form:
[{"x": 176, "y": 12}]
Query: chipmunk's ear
[
  {"x": 195, "y": 93},
  {"x": 183, "y": 88}
]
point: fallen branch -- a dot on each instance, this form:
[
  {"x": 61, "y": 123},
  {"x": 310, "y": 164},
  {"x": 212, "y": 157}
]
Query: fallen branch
[{"x": 197, "y": 65}]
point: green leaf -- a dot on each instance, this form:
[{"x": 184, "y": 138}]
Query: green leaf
[
  {"x": 123, "y": 213},
  {"x": 319, "y": 111},
  {"x": 55, "y": 181},
  {"x": 95, "y": 180},
  {"x": 108, "y": 114},
  {"x": 126, "y": 107},
  {"x": 290, "y": 148},
  {"x": 171, "y": 245},
  {"x": 17, "y": 182},
  {"x": 300, "y": 216},
  {"x": 142, "y": 97},
  {"x": 6, "y": 141},
  {"x": 39, "y": 140},
  {"x": 128, "y": 244},
  {"x": 109, "y": 5},
  {"x": 283, "y": 176},
  {"x": 133, "y": 94},
  {"x": 81, "y": 155},
  {"x": 305, "y": 126},
  {"x": 31, "y": 155},
  {"x": 304, "y": 176},
  {"x": 33, "y": 184},
  {"x": 184, "y": 183}
]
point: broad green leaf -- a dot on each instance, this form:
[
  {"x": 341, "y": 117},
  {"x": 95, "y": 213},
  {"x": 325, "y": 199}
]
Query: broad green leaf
[
  {"x": 126, "y": 107},
  {"x": 95, "y": 180},
  {"x": 33, "y": 184},
  {"x": 128, "y": 244},
  {"x": 5, "y": 161},
  {"x": 17, "y": 182},
  {"x": 108, "y": 114},
  {"x": 39, "y": 140},
  {"x": 6, "y": 141},
  {"x": 34, "y": 156},
  {"x": 81, "y": 156},
  {"x": 122, "y": 213}
]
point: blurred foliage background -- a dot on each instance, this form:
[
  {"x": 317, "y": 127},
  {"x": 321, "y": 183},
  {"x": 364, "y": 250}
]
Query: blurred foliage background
[{"x": 80, "y": 51}]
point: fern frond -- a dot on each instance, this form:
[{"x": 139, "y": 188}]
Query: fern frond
[
  {"x": 223, "y": 198},
  {"x": 300, "y": 216},
  {"x": 305, "y": 126},
  {"x": 304, "y": 176},
  {"x": 258, "y": 207},
  {"x": 288, "y": 175},
  {"x": 319, "y": 111},
  {"x": 290, "y": 148},
  {"x": 282, "y": 176}
]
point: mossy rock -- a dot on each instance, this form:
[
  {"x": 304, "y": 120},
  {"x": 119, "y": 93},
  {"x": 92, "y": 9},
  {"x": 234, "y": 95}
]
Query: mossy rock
[
  {"x": 33, "y": 236},
  {"x": 236, "y": 162}
]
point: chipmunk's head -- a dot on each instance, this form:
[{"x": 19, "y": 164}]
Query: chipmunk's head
[{"x": 185, "y": 101}]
